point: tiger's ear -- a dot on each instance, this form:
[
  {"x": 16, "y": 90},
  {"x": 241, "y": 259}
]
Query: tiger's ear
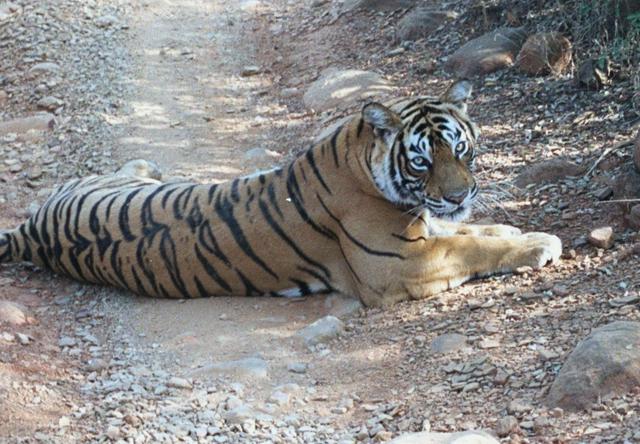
[
  {"x": 386, "y": 123},
  {"x": 458, "y": 93}
]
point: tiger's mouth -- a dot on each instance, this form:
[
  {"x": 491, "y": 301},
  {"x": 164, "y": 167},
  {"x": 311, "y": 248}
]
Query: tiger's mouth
[{"x": 458, "y": 214}]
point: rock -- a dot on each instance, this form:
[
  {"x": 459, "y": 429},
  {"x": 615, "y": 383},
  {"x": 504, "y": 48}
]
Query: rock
[
  {"x": 180, "y": 383},
  {"x": 64, "y": 421},
  {"x": 344, "y": 87},
  {"x": 239, "y": 414},
  {"x": 596, "y": 73},
  {"x": 468, "y": 437},
  {"x": 545, "y": 53},
  {"x": 626, "y": 184},
  {"x": 23, "y": 339},
  {"x": 4, "y": 97},
  {"x": 249, "y": 71},
  {"x": 633, "y": 218},
  {"x": 12, "y": 313},
  {"x": 448, "y": 343},
  {"x": 421, "y": 22},
  {"x": 261, "y": 156},
  {"x": 488, "y": 343},
  {"x": 141, "y": 168},
  {"x": 252, "y": 367},
  {"x": 601, "y": 237},
  {"x": 377, "y": 5},
  {"x": 321, "y": 330},
  {"x": 50, "y": 103},
  {"x": 106, "y": 21},
  {"x": 38, "y": 122},
  {"x": 45, "y": 68},
  {"x": 491, "y": 52},
  {"x": 297, "y": 367},
  {"x": 606, "y": 362},
  {"x": 342, "y": 307},
  {"x": 66, "y": 341},
  {"x": 547, "y": 171},
  {"x": 636, "y": 152},
  {"x": 506, "y": 426},
  {"x": 519, "y": 407},
  {"x": 113, "y": 433},
  {"x": 280, "y": 398}
]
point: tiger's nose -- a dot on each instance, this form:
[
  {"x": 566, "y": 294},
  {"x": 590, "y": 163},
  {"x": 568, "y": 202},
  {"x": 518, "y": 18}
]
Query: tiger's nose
[{"x": 457, "y": 197}]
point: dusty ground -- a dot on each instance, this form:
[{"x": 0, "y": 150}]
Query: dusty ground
[{"x": 163, "y": 82}]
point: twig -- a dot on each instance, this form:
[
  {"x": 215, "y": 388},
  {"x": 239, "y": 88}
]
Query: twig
[
  {"x": 618, "y": 201},
  {"x": 606, "y": 153}
]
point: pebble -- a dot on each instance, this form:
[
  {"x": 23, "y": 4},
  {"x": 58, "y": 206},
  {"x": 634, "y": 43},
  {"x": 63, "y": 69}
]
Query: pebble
[
  {"x": 180, "y": 383},
  {"x": 506, "y": 426},
  {"x": 12, "y": 313},
  {"x": 249, "y": 71},
  {"x": 518, "y": 407},
  {"x": 448, "y": 343},
  {"x": 297, "y": 367},
  {"x": 23, "y": 339},
  {"x": 601, "y": 237},
  {"x": 50, "y": 103},
  {"x": 322, "y": 330},
  {"x": 67, "y": 341}
]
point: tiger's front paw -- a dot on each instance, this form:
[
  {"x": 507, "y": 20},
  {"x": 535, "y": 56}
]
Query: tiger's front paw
[
  {"x": 536, "y": 250},
  {"x": 499, "y": 231}
]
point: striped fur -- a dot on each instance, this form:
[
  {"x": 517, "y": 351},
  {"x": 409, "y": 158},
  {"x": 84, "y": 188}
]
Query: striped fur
[{"x": 346, "y": 215}]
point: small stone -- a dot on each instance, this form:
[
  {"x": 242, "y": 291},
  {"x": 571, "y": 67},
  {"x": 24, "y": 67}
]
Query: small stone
[
  {"x": 45, "y": 68},
  {"x": 12, "y": 313},
  {"x": 604, "y": 193},
  {"x": 518, "y": 407},
  {"x": 50, "y": 103},
  {"x": 625, "y": 300},
  {"x": 23, "y": 339},
  {"x": 95, "y": 365},
  {"x": 67, "y": 341},
  {"x": 633, "y": 218},
  {"x": 601, "y": 237},
  {"x": 249, "y": 71},
  {"x": 448, "y": 343},
  {"x": 280, "y": 398},
  {"x": 488, "y": 344},
  {"x": 105, "y": 21},
  {"x": 7, "y": 337},
  {"x": 113, "y": 433},
  {"x": 322, "y": 330},
  {"x": 180, "y": 383},
  {"x": 547, "y": 355},
  {"x": 240, "y": 414},
  {"x": 540, "y": 423},
  {"x": 64, "y": 421},
  {"x": 471, "y": 387},
  {"x": 297, "y": 367},
  {"x": 506, "y": 426}
]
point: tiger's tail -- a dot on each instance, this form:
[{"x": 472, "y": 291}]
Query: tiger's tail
[{"x": 10, "y": 249}]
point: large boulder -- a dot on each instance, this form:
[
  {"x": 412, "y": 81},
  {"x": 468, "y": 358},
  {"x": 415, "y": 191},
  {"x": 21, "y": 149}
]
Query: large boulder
[
  {"x": 545, "y": 53},
  {"x": 343, "y": 87},
  {"x": 468, "y": 437},
  {"x": 491, "y": 52},
  {"x": 421, "y": 22},
  {"x": 551, "y": 170},
  {"x": 607, "y": 362}
]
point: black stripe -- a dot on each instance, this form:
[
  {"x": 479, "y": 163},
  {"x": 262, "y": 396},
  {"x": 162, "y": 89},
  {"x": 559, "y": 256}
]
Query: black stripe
[
  {"x": 280, "y": 232},
  {"x": 314, "y": 168},
  {"x": 334, "y": 146},
  {"x": 211, "y": 271},
  {"x": 235, "y": 196},
  {"x": 273, "y": 200},
  {"x": 123, "y": 217},
  {"x": 362, "y": 246},
  {"x": 360, "y": 127},
  {"x": 296, "y": 198},
  {"x": 224, "y": 210}
]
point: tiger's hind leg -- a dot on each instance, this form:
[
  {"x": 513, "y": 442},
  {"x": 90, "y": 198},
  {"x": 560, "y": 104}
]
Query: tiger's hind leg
[{"x": 145, "y": 169}]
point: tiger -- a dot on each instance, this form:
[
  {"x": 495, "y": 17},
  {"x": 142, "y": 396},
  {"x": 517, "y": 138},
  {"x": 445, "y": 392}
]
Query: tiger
[{"x": 376, "y": 211}]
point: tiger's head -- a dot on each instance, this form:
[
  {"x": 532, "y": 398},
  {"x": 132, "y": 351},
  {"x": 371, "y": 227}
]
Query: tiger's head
[{"x": 423, "y": 152}]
